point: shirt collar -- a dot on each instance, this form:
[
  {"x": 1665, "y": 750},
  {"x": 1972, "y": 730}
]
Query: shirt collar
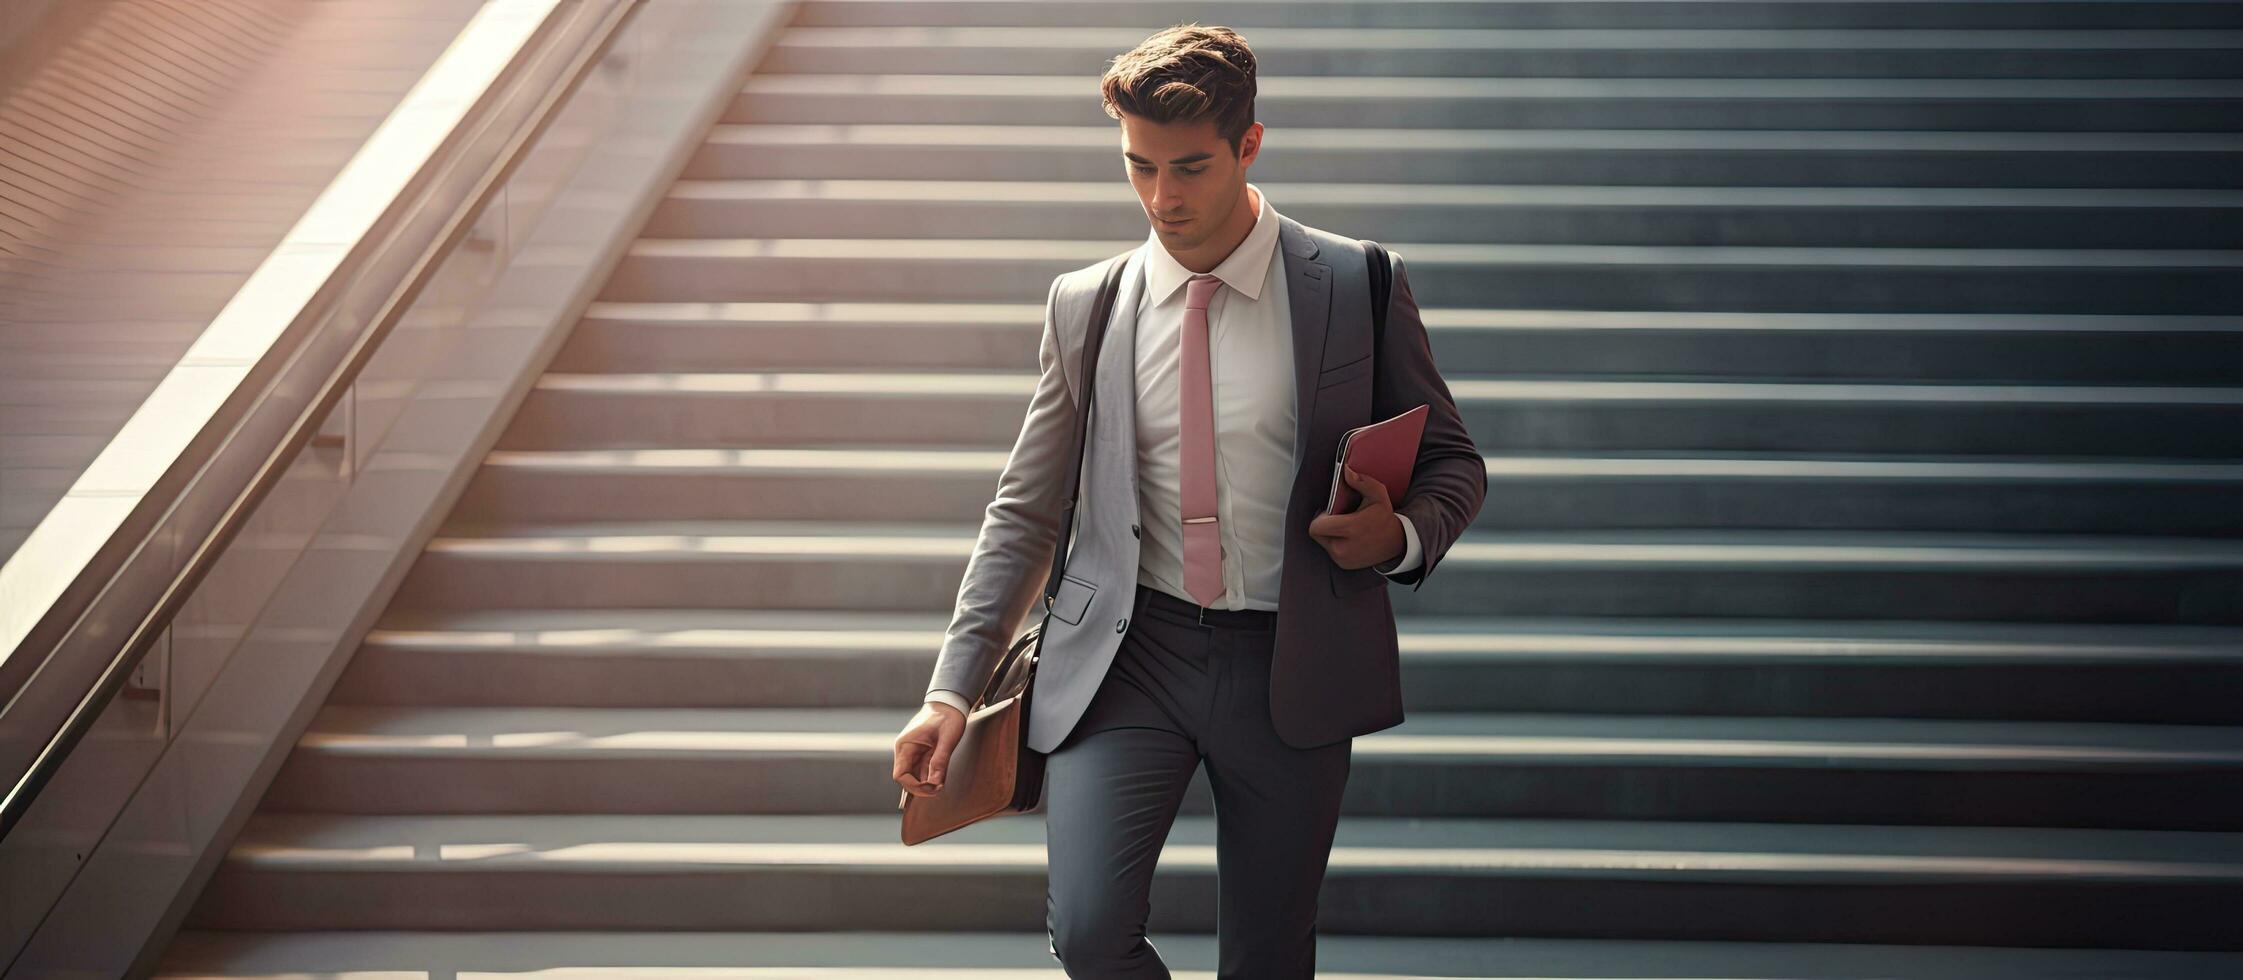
[{"x": 1245, "y": 269}]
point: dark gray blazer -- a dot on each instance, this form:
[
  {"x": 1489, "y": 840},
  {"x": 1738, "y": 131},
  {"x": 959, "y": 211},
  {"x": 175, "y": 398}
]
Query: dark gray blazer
[{"x": 1336, "y": 670}]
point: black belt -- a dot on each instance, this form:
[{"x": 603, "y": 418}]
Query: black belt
[{"x": 1182, "y": 608}]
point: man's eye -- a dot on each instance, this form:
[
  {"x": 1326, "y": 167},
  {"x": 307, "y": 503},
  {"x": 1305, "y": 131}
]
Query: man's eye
[{"x": 1196, "y": 172}]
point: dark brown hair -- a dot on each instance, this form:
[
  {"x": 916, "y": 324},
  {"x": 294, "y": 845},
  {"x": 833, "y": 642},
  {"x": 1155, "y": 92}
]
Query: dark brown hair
[{"x": 1183, "y": 74}]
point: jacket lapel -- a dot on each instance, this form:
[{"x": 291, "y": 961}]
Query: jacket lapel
[
  {"x": 1308, "y": 289},
  {"x": 1116, "y": 383}
]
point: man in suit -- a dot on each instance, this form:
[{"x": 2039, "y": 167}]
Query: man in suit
[{"x": 1209, "y": 612}]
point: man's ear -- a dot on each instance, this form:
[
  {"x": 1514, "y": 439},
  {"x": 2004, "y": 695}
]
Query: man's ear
[{"x": 1250, "y": 145}]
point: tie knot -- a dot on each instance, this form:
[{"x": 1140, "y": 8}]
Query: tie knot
[{"x": 1199, "y": 289}]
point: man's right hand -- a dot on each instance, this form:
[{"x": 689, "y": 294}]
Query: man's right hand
[{"x": 923, "y": 747}]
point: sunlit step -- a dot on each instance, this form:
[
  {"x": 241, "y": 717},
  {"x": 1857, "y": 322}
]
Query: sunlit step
[
  {"x": 1503, "y": 415},
  {"x": 1533, "y": 51},
  {"x": 1394, "y": 141},
  {"x": 1821, "y": 278},
  {"x": 1481, "y": 212},
  {"x": 1672, "y": 345},
  {"x": 1380, "y": 153},
  {"x": 1049, "y": 193},
  {"x": 917, "y": 483},
  {"x": 1483, "y": 14},
  {"x": 1087, "y": 251},
  {"x": 2013, "y": 886},
  {"x": 1024, "y": 955},
  {"x": 1404, "y": 88},
  {"x": 729, "y": 657},
  {"x": 1814, "y": 574},
  {"x": 373, "y": 759},
  {"x": 1740, "y": 103}
]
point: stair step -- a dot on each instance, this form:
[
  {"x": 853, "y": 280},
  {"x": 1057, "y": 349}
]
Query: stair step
[
  {"x": 2102, "y": 104},
  {"x": 1504, "y": 415},
  {"x": 1841, "y": 575},
  {"x": 916, "y": 483},
  {"x": 1389, "y": 155},
  {"x": 1799, "y": 883},
  {"x": 1559, "y": 276},
  {"x": 377, "y": 759},
  {"x": 1025, "y": 955},
  {"x": 1450, "y": 51},
  {"x": 1530, "y": 14},
  {"x": 1806, "y": 574},
  {"x": 1652, "y": 344},
  {"x": 1949, "y": 217},
  {"x": 812, "y": 658},
  {"x": 2070, "y": 496},
  {"x": 2064, "y": 421}
]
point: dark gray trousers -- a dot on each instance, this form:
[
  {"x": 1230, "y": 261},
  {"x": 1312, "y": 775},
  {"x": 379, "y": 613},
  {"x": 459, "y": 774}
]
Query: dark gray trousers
[{"x": 1177, "y": 694}]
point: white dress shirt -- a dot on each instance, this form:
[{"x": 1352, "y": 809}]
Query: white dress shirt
[{"x": 1250, "y": 366}]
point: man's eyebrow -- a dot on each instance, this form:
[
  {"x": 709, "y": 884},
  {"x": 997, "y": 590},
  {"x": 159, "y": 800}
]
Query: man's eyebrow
[{"x": 1194, "y": 158}]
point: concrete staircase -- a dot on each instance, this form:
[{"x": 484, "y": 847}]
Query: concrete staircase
[{"x": 1862, "y": 385}]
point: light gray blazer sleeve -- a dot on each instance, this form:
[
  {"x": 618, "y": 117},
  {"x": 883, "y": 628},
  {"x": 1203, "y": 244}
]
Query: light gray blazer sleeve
[{"x": 1011, "y": 560}]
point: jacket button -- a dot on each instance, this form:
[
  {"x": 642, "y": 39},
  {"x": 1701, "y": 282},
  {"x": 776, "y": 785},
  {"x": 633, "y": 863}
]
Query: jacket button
[
  {"x": 1121, "y": 623},
  {"x": 1133, "y": 530}
]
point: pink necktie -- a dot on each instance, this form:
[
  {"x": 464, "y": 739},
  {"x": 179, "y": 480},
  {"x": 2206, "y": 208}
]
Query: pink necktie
[{"x": 1203, "y": 543}]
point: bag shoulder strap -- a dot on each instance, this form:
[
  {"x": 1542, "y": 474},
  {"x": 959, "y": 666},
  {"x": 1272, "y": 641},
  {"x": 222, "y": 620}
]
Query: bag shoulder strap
[
  {"x": 1382, "y": 289},
  {"x": 1101, "y": 313}
]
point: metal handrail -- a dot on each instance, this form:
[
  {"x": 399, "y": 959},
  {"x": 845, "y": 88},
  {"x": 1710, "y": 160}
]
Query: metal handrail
[{"x": 100, "y": 578}]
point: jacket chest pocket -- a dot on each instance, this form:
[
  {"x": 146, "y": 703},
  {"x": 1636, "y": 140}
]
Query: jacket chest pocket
[
  {"x": 1356, "y": 369},
  {"x": 1073, "y": 599}
]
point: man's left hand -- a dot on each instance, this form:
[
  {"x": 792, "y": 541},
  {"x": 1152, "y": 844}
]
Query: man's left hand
[{"x": 1367, "y": 535}]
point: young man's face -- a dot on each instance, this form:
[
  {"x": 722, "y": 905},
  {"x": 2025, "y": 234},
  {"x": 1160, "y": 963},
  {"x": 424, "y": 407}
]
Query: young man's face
[{"x": 1185, "y": 171}]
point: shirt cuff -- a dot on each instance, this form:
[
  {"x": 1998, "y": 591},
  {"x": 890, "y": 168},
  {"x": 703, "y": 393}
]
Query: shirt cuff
[
  {"x": 951, "y": 698},
  {"x": 1410, "y": 554}
]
